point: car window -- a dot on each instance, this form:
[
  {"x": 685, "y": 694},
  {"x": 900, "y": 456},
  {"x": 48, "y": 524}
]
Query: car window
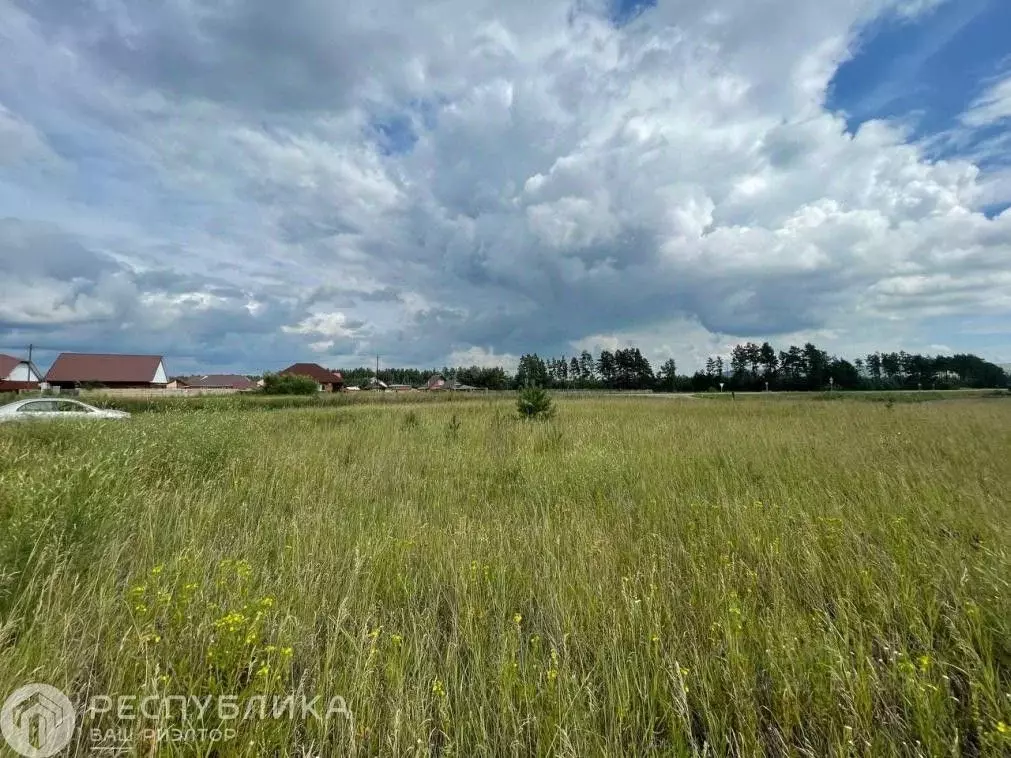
[
  {"x": 39, "y": 406},
  {"x": 69, "y": 406}
]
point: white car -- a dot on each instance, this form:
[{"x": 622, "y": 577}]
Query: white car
[{"x": 51, "y": 408}]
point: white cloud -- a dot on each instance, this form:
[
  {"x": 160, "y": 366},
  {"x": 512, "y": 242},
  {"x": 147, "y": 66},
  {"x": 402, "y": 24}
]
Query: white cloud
[
  {"x": 322, "y": 324},
  {"x": 553, "y": 181},
  {"x": 992, "y": 107},
  {"x": 20, "y": 141}
]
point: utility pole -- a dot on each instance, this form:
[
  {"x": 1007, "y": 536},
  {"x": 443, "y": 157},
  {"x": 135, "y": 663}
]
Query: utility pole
[{"x": 30, "y": 348}]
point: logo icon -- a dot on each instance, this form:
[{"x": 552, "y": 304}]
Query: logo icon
[{"x": 37, "y": 721}]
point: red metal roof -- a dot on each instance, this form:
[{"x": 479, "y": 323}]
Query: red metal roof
[
  {"x": 7, "y": 364},
  {"x": 94, "y": 367},
  {"x": 314, "y": 371},
  {"x": 230, "y": 381}
]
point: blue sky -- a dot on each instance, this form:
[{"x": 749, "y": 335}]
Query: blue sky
[{"x": 243, "y": 186}]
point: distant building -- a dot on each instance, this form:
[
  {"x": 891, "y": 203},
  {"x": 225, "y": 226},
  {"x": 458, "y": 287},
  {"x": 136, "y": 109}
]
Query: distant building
[
  {"x": 400, "y": 388},
  {"x": 216, "y": 382},
  {"x": 437, "y": 382},
  {"x": 76, "y": 370},
  {"x": 326, "y": 380},
  {"x": 374, "y": 384},
  {"x": 17, "y": 375}
]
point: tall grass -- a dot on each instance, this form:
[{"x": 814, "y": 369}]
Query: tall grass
[{"x": 653, "y": 577}]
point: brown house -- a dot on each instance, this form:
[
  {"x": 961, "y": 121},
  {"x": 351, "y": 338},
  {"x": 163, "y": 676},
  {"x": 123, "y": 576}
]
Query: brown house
[
  {"x": 17, "y": 375},
  {"x": 74, "y": 370},
  {"x": 327, "y": 380}
]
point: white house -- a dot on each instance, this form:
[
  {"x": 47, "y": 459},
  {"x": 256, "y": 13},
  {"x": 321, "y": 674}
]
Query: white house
[{"x": 18, "y": 374}]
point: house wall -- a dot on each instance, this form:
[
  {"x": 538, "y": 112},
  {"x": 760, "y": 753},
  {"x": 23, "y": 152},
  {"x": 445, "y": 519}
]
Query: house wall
[
  {"x": 6, "y": 386},
  {"x": 23, "y": 373},
  {"x": 159, "y": 375},
  {"x": 113, "y": 385}
]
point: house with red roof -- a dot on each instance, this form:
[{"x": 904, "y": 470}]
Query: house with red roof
[
  {"x": 326, "y": 380},
  {"x": 17, "y": 374},
  {"x": 77, "y": 370}
]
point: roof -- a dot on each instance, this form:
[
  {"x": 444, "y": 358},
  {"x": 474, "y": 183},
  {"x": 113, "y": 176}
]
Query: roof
[
  {"x": 375, "y": 383},
  {"x": 214, "y": 381},
  {"x": 7, "y": 365},
  {"x": 314, "y": 371},
  {"x": 97, "y": 367}
]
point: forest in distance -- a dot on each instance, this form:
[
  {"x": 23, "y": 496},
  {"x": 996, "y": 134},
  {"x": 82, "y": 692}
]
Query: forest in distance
[{"x": 749, "y": 367}]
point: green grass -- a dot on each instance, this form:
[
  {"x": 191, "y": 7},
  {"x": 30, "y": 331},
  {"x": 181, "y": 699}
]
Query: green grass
[{"x": 655, "y": 577}]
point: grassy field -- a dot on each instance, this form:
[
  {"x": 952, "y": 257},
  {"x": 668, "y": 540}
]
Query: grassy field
[{"x": 636, "y": 577}]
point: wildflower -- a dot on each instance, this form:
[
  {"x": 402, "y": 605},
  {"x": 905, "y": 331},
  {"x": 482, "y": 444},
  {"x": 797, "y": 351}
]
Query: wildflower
[
  {"x": 1003, "y": 728},
  {"x": 287, "y": 652},
  {"x": 267, "y": 602},
  {"x": 437, "y": 688},
  {"x": 655, "y": 638},
  {"x": 396, "y": 639},
  {"x": 263, "y": 671},
  {"x": 230, "y": 622},
  {"x": 156, "y": 571},
  {"x": 924, "y": 661},
  {"x": 517, "y": 619}
]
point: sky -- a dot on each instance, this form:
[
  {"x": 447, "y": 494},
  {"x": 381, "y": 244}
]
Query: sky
[{"x": 242, "y": 184}]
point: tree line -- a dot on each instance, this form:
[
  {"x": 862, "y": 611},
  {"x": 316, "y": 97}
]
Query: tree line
[{"x": 749, "y": 367}]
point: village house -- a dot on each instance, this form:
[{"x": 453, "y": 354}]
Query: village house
[
  {"x": 326, "y": 380},
  {"x": 17, "y": 374},
  {"x": 81, "y": 370},
  {"x": 218, "y": 382},
  {"x": 437, "y": 383}
]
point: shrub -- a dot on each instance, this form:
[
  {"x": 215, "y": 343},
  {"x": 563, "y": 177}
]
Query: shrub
[
  {"x": 285, "y": 384},
  {"x": 534, "y": 403}
]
